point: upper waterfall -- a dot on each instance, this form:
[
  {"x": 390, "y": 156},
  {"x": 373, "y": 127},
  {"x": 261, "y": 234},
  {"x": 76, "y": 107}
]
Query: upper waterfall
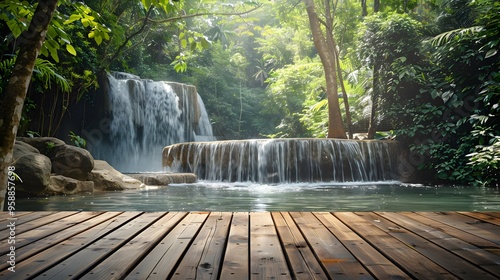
[{"x": 145, "y": 116}]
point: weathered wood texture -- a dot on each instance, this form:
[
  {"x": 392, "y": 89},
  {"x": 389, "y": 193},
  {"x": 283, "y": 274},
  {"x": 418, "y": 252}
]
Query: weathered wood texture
[{"x": 277, "y": 245}]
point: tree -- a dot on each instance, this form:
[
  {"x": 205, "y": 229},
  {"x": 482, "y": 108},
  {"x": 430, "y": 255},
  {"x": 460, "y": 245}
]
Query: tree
[
  {"x": 460, "y": 104},
  {"x": 325, "y": 44},
  {"x": 384, "y": 43},
  {"x": 13, "y": 98}
]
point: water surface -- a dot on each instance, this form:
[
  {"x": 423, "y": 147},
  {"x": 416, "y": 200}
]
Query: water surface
[{"x": 211, "y": 196}]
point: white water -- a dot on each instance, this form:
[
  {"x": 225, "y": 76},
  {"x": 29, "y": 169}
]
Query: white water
[
  {"x": 286, "y": 160},
  {"x": 145, "y": 117}
]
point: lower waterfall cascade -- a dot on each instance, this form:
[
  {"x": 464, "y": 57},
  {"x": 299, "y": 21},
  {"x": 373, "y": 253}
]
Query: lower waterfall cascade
[
  {"x": 144, "y": 117},
  {"x": 285, "y": 160}
]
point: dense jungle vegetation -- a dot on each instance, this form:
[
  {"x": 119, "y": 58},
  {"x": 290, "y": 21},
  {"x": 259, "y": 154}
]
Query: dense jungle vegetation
[{"x": 425, "y": 72}]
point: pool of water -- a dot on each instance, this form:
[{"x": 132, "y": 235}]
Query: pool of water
[{"x": 216, "y": 196}]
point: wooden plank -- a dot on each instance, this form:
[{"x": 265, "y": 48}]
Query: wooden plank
[
  {"x": 483, "y": 216},
  {"x": 493, "y": 214},
  {"x": 135, "y": 245},
  {"x": 31, "y": 221},
  {"x": 117, "y": 265},
  {"x": 409, "y": 260},
  {"x": 161, "y": 261},
  {"x": 92, "y": 255},
  {"x": 480, "y": 257},
  {"x": 373, "y": 260},
  {"x": 58, "y": 237},
  {"x": 477, "y": 227},
  {"x": 449, "y": 254},
  {"x": 6, "y": 215},
  {"x": 27, "y": 237},
  {"x": 26, "y": 216},
  {"x": 57, "y": 253},
  {"x": 455, "y": 232},
  {"x": 204, "y": 257},
  {"x": 338, "y": 262},
  {"x": 236, "y": 258},
  {"x": 303, "y": 263},
  {"x": 267, "y": 260}
]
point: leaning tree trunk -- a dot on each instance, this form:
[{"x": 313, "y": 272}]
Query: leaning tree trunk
[
  {"x": 327, "y": 55},
  {"x": 15, "y": 93},
  {"x": 346, "y": 100},
  {"x": 372, "y": 129}
]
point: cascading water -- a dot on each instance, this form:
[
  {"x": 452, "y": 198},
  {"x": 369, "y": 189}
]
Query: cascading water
[
  {"x": 285, "y": 160},
  {"x": 145, "y": 116}
]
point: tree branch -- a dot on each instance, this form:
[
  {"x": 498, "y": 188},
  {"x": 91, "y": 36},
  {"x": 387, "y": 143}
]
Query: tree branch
[
  {"x": 202, "y": 14},
  {"x": 128, "y": 38}
]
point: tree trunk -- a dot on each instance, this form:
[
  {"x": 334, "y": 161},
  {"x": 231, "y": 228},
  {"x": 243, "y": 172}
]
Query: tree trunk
[
  {"x": 376, "y": 6},
  {"x": 364, "y": 9},
  {"x": 327, "y": 55},
  {"x": 372, "y": 129},
  {"x": 346, "y": 99},
  {"x": 15, "y": 93}
]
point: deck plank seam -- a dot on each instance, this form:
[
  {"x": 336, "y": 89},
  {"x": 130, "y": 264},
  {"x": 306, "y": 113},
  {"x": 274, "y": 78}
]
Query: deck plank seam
[
  {"x": 153, "y": 245},
  {"x": 470, "y": 225},
  {"x": 308, "y": 241},
  {"x": 283, "y": 249},
  {"x": 112, "y": 251},
  {"x": 55, "y": 232},
  {"x": 224, "y": 247},
  {"x": 444, "y": 250},
  {"x": 186, "y": 249},
  {"x": 38, "y": 273},
  {"x": 347, "y": 248},
  {"x": 377, "y": 248},
  {"x": 314, "y": 252},
  {"x": 23, "y": 257}
]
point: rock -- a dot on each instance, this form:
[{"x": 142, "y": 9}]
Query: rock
[
  {"x": 69, "y": 161},
  {"x": 73, "y": 162},
  {"x": 164, "y": 179},
  {"x": 22, "y": 149},
  {"x": 46, "y": 145},
  {"x": 65, "y": 185},
  {"x": 34, "y": 171},
  {"x": 106, "y": 178}
]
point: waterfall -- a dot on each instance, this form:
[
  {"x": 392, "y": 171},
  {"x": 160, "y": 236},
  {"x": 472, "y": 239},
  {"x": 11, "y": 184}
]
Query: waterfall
[
  {"x": 285, "y": 160},
  {"x": 145, "y": 116}
]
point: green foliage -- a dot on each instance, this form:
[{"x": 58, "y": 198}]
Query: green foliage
[
  {"x": 49, "y": 145},
  {"x": 77, "y": 140},
  {"x": 219, "y": 75},
  {"x": 485, "y": 161},
  {"x": 289, "y": 88},
  {"x": 455, "y": 115},
  {"x": 17, "y": 16}
]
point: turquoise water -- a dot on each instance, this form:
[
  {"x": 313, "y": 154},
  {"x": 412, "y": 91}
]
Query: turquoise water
[{"x": 211, "y": 196}]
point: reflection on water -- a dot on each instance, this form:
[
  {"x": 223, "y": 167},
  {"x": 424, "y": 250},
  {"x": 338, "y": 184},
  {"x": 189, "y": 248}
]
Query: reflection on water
[{"x": 210, "y": 196}]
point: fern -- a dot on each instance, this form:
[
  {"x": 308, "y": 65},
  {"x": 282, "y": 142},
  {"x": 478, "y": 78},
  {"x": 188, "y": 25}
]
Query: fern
[{"x": 45, "y": 71}]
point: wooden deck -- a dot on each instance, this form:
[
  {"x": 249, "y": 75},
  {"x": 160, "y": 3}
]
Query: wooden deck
[{"x": 277, "y": 245}]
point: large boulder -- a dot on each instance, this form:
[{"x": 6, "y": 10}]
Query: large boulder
[
  {"x": 65, "y": 185},
  {"x": 73, "y": 162},
  {"x": 22, "y": 149},
  {"x": 32, "y": 168},
  {"x": 69, "y": 161},
  {"x": 46, "y": 145},
  {"x": 106, "y": 178}
]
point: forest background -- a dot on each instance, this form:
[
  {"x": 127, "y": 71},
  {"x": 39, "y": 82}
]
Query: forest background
[{"x": 424, "y": 72}]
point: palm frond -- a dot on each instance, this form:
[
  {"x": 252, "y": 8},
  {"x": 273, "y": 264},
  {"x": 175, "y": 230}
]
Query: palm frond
[{"x": 443, "y": 38}]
